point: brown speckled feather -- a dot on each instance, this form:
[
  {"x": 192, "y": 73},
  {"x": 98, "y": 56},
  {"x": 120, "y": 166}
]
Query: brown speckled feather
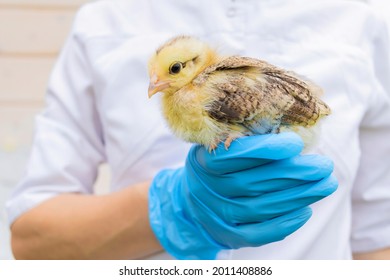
[{"x": 259, "y": 96}]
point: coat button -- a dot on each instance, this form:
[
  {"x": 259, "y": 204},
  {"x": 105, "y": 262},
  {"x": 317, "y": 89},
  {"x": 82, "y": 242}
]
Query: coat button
[{"x": 231, "y": 12}]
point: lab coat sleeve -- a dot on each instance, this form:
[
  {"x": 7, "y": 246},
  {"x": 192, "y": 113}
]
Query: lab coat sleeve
[
  {"x": 68, "y": 144},
  {"x": 371, "y": 192}
]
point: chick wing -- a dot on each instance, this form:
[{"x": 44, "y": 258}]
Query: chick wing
[{"x": 259, "y": 96}]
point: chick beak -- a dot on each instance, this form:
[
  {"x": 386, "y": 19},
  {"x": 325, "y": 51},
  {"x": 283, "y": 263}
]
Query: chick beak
[{"x": 155, "y": 85}]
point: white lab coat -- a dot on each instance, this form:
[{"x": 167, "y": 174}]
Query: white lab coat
[{"x": 98, "y": 110}]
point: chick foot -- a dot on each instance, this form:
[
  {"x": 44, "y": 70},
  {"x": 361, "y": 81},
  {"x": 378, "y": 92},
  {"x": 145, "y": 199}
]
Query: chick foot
[{"x": 229, "y": 141}]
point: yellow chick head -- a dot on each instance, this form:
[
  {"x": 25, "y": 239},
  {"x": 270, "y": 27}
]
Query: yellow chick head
[{"x": 177, "y": 63}]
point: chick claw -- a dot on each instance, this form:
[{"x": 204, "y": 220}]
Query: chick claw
[
  {"x": 228, "y": 141},
  {"x": 212, "y": 148}
]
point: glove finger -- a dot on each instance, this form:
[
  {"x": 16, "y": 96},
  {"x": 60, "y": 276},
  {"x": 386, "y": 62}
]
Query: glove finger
[
  {"x": 247, "y": 152},
  {"x": 258, "y": 234},
  {"x": 234, "y": 236},
  {"x": 271, "y": 177},
  {"x": 271, "y": 205}
]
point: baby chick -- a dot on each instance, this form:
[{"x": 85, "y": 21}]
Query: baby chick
[{"x": 210, "y": 99}]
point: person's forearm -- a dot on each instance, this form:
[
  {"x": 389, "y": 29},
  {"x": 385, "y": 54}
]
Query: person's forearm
[
  {"x": 73, "y": 226},
  {"x": 383, "y": 254}
]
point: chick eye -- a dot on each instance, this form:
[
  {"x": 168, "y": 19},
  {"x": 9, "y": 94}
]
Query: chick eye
[{"x": 175, "y": 68}]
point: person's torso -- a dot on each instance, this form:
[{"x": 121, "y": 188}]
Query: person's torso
[{"x": 324, "y": 42}]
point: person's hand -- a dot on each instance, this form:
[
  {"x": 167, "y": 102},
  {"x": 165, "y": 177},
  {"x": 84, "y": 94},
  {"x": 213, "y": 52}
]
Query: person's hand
[{"x": 255, "y": 193}]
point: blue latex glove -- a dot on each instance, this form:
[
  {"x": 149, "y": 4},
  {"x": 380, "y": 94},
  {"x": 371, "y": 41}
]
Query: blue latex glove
[{"x": 255, "y": 193}]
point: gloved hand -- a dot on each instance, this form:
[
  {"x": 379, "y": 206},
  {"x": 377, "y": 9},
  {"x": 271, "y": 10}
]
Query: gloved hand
[{"x": 255, "y": 193}]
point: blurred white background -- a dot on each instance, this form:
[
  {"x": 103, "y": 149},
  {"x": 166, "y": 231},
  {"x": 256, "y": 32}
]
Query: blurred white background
[{"x": 31, "y": 35}]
